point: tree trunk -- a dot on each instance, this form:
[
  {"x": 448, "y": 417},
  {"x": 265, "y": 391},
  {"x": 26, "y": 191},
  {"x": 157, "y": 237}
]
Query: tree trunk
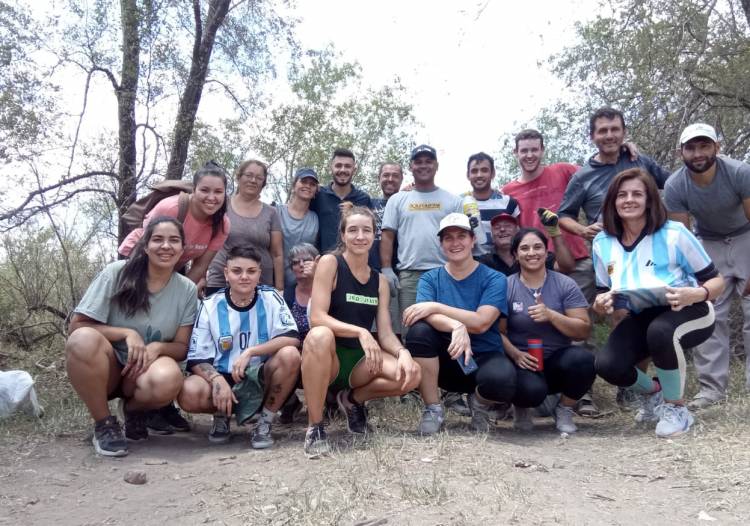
[
  {"x": 746, "y": 8},
  {"x": 203, "y": 45},
  {"x": 126, "y": 99}
]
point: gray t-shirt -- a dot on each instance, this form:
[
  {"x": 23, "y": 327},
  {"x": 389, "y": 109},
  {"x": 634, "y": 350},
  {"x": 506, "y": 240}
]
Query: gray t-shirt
[
  {"x": 296, "y": 231},
  {"x": 717, "y": 208},
  {"x": 559, "y": 293},
  {"x": 172, "y": 307},
  {"x": 254, "y": 231},
  {"x": 415, "y": 217},
  {"x": 589, "y": 184}
]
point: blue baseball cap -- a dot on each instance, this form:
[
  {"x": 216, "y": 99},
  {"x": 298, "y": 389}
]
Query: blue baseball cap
[
  {"x": 423, "y": 149},
  {"x": 306, "y": 172}
]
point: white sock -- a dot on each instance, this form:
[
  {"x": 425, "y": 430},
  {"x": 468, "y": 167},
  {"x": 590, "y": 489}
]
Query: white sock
[{"x": 267, "y": 415}]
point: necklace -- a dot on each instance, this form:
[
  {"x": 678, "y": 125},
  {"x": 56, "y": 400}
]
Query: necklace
[
  {"x": 535, "y": 291},
  {"x": 242, "y": 302}
]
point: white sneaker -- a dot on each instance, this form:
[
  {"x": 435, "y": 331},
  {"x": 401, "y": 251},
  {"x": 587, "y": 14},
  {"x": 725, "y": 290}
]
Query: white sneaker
[
  {"x": 650, "y": 409},
  {"x": 564, "y": 419},
  {"x": 432, "y": 420},
  {"x": 674, "y": 420},
  {"x": 522, "y": 419}
]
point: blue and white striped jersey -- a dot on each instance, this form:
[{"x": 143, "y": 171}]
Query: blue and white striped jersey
[
  {"x": 671, "y": 256},
  {"x": 223, "y": 331}
]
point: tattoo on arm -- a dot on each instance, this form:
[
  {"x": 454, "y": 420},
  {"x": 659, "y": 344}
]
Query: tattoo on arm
[
  {"x": 206, "y": 369},
  {"x": 216, "y": 390}
]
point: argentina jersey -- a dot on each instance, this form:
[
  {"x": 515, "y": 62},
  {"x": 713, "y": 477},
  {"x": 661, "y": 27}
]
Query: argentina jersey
[
  {"x": 222, "y": 331},
  {"x": 670, "y": 257}
]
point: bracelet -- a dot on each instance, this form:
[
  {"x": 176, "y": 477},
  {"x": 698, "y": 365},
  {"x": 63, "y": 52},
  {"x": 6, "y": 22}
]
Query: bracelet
[
  {"x": 211, "y": 379},
  {"x": 707, "y": 292}
]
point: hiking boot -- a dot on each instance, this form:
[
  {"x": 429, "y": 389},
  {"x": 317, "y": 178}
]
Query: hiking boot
[
  {"x": 262, "y": 438},
  {"x": 135, "y": 425},
  {"x": 674, "y": 420},
  {"x": 432, "y": 419},
  {"x": 156, "y": 423},
  {"x": 586, "y": 407},
  {"x": 499, "y": 411},
  {"x": 522, "y": 420},
  {"x": 480, "y": 414},
  {"x": 702, "y": 402},
  {"x": 219, "y": 433},
  {"x": 290, "y": 410},
  {"x": 174, "y": 418},
  {"x": 627, "y": 399},
  {"x": 109, "y": 439},
  {"x": 564, "y": 419},
  {"x": 456, "y": 402},
  {"x": 316, "y": 441},
  {"x": 356, "y": 414},
  {"x": 650, "y": 409}
]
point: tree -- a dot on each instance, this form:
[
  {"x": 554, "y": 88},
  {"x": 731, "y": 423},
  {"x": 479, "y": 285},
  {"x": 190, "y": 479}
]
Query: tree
[
  {"x": 329, "y": 109},
  {"x": 665, "y": 64},
  {"x": 229, "y": 57}
]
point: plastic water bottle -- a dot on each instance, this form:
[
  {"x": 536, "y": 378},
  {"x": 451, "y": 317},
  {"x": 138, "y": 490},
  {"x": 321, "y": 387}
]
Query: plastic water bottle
[{"x": 471, "y": 209}]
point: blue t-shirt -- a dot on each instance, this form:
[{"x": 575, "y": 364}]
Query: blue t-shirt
[{"x": 484, "y": 286}]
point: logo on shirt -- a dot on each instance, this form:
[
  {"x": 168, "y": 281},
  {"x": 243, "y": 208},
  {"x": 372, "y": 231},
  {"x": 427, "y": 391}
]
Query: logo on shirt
[
  {"x": 285, "y": 318},
  {"x": 362, "y": 300},
  {"x": 423, "y": 207},
  {"x": 517, "y": 306},
  {"x": 650, "y": 263},
  {"x": 610, "y": 268}
]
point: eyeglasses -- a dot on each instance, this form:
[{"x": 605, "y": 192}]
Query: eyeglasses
[
  {"x": 296, "y": 262},
  {"x": 253, "y": 177}
]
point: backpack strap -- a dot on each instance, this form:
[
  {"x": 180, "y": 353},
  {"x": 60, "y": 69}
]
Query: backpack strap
[{"x": 183, "y": 202}]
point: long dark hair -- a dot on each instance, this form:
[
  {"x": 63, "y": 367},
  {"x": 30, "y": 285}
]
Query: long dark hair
[
  {"x": 132, "y": 290},
  {"x": 213, "y": 168},
  {"x": 518, "y": 237},
  {"x": 656, "y": 214}
]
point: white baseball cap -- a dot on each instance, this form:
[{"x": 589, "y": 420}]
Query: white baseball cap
[
  {"x": 455, "y": 219},
  {"x": 698, "y": 129}
]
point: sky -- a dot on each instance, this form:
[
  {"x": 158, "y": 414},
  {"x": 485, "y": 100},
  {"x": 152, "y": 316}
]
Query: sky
[{"x": 474, "y": 69}]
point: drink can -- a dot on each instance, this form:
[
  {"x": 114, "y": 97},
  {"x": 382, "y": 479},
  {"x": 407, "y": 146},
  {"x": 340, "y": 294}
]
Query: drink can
[{"x": 535, "y": 348}]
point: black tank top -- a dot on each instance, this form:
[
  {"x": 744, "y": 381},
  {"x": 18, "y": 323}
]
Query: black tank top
[{"x": 353, "y": 302}]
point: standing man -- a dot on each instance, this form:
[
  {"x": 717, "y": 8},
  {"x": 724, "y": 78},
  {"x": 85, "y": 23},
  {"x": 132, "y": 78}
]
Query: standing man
[
  {"x": 715, "y": 190},
  {"x": 416, "y": 217},
  {"x": 480, "y": 171},
  {"x": 327, "y": 201}
]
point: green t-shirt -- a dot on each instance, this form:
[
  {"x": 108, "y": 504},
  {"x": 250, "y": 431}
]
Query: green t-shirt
[{"x": 172, "y": 307}]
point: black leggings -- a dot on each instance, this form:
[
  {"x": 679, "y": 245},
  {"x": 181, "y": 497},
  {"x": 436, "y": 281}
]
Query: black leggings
[
  {"x": 495, "y": 379},
  {"x": 569, "y": 371},
  {"x": 659, "y": 333}
]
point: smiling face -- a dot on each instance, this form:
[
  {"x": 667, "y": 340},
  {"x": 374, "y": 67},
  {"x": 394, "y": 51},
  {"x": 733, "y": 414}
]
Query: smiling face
[
  {"x": 457, "y": 244},
  {"x": 305, "y": 188},
  {"x": 342, "y": 169},
  {"x": 608, "y": 135},
  {"x": 503, "y": 232},
  {"x": 243, "y": 275},
  {"x": 480, "y": 175},
  {"x": 529, "y": 153},
  {"x": 531, "y": 252},
  {"x": 165, "y": 246},
  {"x": 699, "y": 154},
  {"x": 424, "y": 168},
  {"x": 358, "y": 233},
  {"x": 209, "y": 194},
  {"x": 251, "y": 181},
  {"x": 631, "y": 200},
  {"x": 390, "y": 179}
]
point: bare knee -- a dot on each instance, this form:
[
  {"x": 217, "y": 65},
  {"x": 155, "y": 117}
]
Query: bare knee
[
  {"x": 84, "y": 344},
  {"x": 163, "y": 380},
  {"x": 195, "y": 395},
  {"x": 319, "y": 342}
]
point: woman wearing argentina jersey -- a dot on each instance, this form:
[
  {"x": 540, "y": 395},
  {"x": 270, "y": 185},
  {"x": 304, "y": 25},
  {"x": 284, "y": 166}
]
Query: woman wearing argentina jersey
[
  {"x": 340, "y": 351},
  {"x": 241, "y": 325},
  {"x": 657, "y": 273}
]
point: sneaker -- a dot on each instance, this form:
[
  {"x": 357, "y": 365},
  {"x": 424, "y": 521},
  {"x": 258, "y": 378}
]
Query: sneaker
[
  {"x": 316, "y": 441},
  {"x": 674, "y": 420},
  {"x": 109, "y": 439},
  {"x": 456, "y": 402},
  {"x": 432, "y": 420},
  {"x": 499, "y": 411},
  {"x": 135, "y": 425},
  {"x": 290, "y": 410},
  {"x": 627, "y": 399},
  {"x": 219, "y": 433},
  {"x": 586, "y": 407},
  {"x": 356, "y": 414},
  {"x": 564, "y": 419},
  {"x": 174, "y": 418},
  {"x": 522, "y": 419},
  {"x": 262, "y": 438},
  {"x": 156, "y": 423},
  {"x": 650, "y": 409},
  {"x": 480, "y": 414},
  {"x": 701, "y": 402}
]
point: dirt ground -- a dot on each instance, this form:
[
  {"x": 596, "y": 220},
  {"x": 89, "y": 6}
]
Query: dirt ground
[{"x": 611, "y": 472}]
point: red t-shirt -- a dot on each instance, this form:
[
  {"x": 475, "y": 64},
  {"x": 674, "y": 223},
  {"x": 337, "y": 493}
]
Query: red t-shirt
[
  {"x": 198, "y": 238},
  {"x": 546, "y": 191}
]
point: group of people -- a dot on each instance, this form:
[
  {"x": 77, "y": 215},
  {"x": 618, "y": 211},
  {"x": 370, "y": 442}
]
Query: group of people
[{"x": 416, "y": 291}]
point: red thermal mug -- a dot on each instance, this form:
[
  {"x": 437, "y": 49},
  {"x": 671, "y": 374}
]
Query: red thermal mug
[{"x": 536, "y": 349}]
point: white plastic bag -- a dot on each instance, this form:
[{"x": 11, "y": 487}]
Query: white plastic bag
[{"x": 17, "y": 394}]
